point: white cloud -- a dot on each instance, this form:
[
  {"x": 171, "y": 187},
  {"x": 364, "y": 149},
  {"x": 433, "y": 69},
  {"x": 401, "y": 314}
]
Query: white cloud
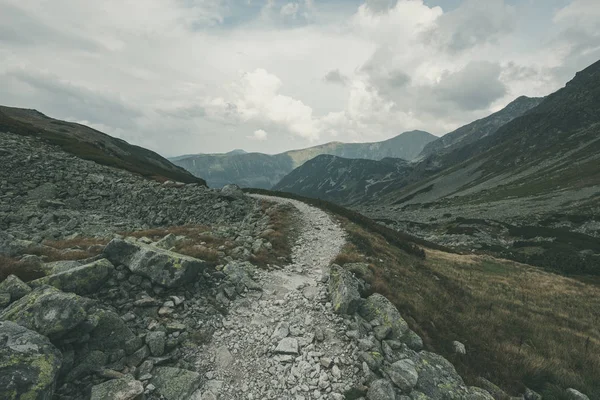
[
  {"x": 206, "y": 75},
  {"x": 259, "y": 135}
]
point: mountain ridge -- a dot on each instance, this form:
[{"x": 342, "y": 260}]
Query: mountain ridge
[{"x": 264, "y": 170}]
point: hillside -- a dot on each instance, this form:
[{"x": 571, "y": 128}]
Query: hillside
[
  {"x": 91, "y": 144},
  {"x": 479, "y": 129},
  {"x": 529, "y": 191},
  {"x": 343, "y": 180},
  {"x": 264, "y": 171}
]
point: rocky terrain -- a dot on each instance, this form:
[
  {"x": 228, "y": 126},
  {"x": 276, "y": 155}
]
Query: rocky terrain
[
  {"x": 263, "y": 170},
  {"x": 91, "y": 144},
  {"x": 140, "y": 320}
]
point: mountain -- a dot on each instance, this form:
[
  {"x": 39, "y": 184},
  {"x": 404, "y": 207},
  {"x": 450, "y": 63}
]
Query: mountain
[
  {"x": 528, "y": 190},
  {"x": 91, "y": 144},
  {"x": 344, "y": 180},
  {"x": 263, "y": 171},
  {"x": 481, "y": 128}
]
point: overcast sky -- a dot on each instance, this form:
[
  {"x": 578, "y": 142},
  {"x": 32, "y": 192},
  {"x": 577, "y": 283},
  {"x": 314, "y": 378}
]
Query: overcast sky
[{"x": 191, "y": 76}]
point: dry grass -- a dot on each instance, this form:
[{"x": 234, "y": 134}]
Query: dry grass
[
  {"x": 200, "y": 242},
  {"x": 521, "y": 326},
  {"x": 24, "y": 271},
  {"x": 69, "y": 249},
  {"x": 280, "y": 235}
]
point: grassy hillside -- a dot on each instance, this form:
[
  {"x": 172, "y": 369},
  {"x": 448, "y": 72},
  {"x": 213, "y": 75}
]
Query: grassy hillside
[
  {"x": 93, "y": 145},
  {"x": 522, "y": 326}
]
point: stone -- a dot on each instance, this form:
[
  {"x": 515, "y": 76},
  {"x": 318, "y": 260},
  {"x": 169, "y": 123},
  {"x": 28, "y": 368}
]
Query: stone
[
  {"x": 156, "y": 342},
  {"x": 125, "y": 388},
  {"x": 232, "y": 190},
  {"x": 475, "y": 393},
  {"x": 530, "y": 395},
  {"x": 343, "y": 289},
  {"x": 167, "y": 242},
  {"x": 378, "y": 307},
  {"x": 111, "y": 333},
  {"x": 175, "y": 383},
  {"x": 223, "y": 358},
  {"x": 93, "y": 361},
  {"x": 84, "y": 279},
  {"x": 412, "y": 340},
  {"x": 29, "y": 363},
  {"x": 495, "y": 391},
  {"x": 281, "y": 331},
  {"x": 437, "y": 377},
  {"x": 4, "y": 299},
  {"x": 381, "y": 389},
  {"x": 47, "y": 311},
  {"x": 138, "y": 356},
  {"x": 15, "y": 287},
  {"x": 403, "y": 374},
  {"x": 161, "y": 266},
  {"x": 574, "y": 394},
  {"x": 287, "y": 346},
  {"x": 458, "y": 348}
]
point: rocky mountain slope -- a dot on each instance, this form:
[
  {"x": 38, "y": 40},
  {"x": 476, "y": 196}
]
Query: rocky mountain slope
[
  {"x": 124, "y": 288},
  {"x": 538, "y": 170},
  {"x": 263, "y": 170},
  {"x": 91, "y": 144},
  {"x": 479, "y": 129},
  {"x": 342, "y": 180}
]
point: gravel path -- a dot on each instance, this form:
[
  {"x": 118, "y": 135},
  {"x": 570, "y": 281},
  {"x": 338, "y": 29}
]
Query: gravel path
[{"x": 284, "y": 342}]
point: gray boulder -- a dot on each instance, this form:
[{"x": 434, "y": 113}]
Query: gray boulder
[
  {"x": 29, "y": 364},
  {"x": 403, "y": 374},
  {"x": 125, "y": 388},
  {"x": 156, "y": 342},
  {"x": 81, "y": 280},
  {"x": 573, "y": 394},
  {"x": 343, "y": 289},
  {"x": 232, "y": 190},
  {"x": 47, "y": 311},
  {"x": 163, "y": 267},
  {"x": 175, "y": 383},
  {"x": 377, "y": 307},
  {"x": 15, "y": 287},
  {"x": 110, "y": 333},
  {"x": 437, "y": 377},
  {"x": 381, "y": 390}
]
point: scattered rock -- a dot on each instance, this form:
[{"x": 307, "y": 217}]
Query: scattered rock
[
  {"x": 156, "y": 342},
  {"x": 403, "y": 374}
]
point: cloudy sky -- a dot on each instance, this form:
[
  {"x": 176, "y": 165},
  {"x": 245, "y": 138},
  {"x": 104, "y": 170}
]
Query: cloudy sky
[{"x": 191, "y": 76}]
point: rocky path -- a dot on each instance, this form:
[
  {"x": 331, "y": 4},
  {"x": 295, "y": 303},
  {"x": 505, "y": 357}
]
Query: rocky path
[{"x": 283, "y": 341}]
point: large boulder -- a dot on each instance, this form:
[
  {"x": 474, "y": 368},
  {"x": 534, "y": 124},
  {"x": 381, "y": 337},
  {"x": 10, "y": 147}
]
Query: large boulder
[
  {"x": 15, "y": 287},
  {"x": 110, "y": 333},
  {"x": 574, "y": 394},
  {"x": 81, "y": 280},
  {"x": 174, "y": 383},
  {"x": 343, "y": 289},
  {"x": 48, "y": 311},
  {"x": 381, "y": 390},
  {"x": 163, "y": 267},
  {"x": 125, "y": 388},
  {"x": 403, "y": 374},
  {"x": 29, "y": 364},
  {"x": 377, "y": 307},
  {"x": 438, "y": 379}
]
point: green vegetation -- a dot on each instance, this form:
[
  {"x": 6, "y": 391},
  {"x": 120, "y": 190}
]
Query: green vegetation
[{"x": 522, "y": 327}]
